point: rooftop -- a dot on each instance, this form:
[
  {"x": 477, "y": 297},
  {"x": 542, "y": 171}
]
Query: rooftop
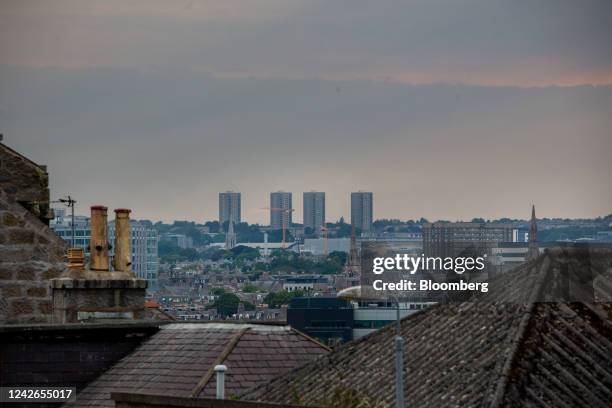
[
  {"x": 180, "y": 358},
  {"x": 513, "y": 349}
]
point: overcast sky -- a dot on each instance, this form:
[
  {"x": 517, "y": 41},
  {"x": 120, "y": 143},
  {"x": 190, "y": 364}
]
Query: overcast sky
[{"x": 444, "y": 109}]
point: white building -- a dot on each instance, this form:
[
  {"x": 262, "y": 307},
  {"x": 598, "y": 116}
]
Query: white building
[
  {"x": 369, "y": 316},
  {"x": 316, "y": 246}
]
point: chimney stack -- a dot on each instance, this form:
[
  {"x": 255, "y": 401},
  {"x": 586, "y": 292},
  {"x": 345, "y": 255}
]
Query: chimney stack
[
  {"x": 95, "y": 294},
  {"x": 122, "y": 262},
  {"x": 98, "y": 245},
  {"x": 76, "y": 259}
]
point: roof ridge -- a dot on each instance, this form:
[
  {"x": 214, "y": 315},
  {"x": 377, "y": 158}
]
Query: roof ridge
[
  {"x": 21, "y": 156},
  {"x": 310, "y": 338},
  {"x": 543, "y": 264},
  {"x": 220, "y": 359}
]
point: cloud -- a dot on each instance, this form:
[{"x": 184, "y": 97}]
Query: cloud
[
  {"x": 519, "y": 43},
  {"x": 165, "y": 143},
  {"x": 158, "y": 105}
]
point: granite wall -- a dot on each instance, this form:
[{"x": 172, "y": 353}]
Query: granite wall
[{"x": 30, "y": 252}]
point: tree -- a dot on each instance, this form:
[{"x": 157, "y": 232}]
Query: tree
[
  {"x": 227, "y": 304},
  {"x": 277, "y": 236},
  {"x": 278, "y": 299},
  {"x": 248, "y": 233},
  {"x": 244, "y": 252},
  {"x": 251, "y": 289},
  {"x": 213, "y": 226},
  {"x": 338, "y": 256},
  {"x": 169, "y": 253}
]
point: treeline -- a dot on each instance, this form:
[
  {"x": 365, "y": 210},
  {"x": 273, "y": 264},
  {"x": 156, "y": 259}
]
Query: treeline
[{"x": 288, "y": 261}]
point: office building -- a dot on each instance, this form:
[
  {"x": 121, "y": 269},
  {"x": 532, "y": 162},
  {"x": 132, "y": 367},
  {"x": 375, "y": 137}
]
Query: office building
[
  {"x": 329, "y": 320},
  {"x": 453, "y": 239},
  {"x": 229, "y": 207},
  {"x": 334, "y": 320},
  {"x": 362, "y": 211},
  {"x": 314, "y": 211},
  {"x": 281, "y": 208},
  {"x": 145, "y": 262}
]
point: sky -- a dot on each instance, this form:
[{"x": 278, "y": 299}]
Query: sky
[{"x": 444, "y": 109}]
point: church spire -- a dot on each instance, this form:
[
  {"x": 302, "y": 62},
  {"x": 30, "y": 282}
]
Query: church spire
[
  {"x": 533, "y": 251},
  {"x": 230, "y": 237},
  {"x": 353, "y": 260}
]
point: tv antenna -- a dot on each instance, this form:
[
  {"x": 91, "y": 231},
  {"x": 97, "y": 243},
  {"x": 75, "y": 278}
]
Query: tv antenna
[{"x": 69, "y": 202}]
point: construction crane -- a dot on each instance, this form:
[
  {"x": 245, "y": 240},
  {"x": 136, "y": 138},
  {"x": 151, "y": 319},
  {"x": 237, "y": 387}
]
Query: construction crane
[{"x": 285, "y": 212}]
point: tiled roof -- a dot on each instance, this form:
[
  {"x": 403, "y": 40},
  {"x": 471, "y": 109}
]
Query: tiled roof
[
  {"x": 512, "y": 351},
  {"x": 179, "y": 361},
  {"x": 151, "y": 304}
]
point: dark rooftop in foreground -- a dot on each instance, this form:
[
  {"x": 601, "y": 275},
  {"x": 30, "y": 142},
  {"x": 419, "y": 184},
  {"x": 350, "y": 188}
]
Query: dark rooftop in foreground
[
  {"x": 514, "y": 350},
  {"x": 180, "y": 358}
]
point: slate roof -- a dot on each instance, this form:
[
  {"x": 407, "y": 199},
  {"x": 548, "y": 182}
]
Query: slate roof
[
  {"x": 511, "y": 348},
  {"x": 179, "y": 361}
]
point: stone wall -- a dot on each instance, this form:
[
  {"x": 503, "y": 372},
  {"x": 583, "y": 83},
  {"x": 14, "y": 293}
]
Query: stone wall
[
  {"x": 30, "y": 252},
  {"x": 25, "y": 182}
]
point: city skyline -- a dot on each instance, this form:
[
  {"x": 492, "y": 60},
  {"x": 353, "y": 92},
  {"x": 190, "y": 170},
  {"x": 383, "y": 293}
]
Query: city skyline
[{"x": 347, "y": 218}]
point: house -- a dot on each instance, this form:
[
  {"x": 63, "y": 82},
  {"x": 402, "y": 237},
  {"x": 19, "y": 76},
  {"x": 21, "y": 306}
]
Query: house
[
  {"x": 543, "y": 339},
  {"x": 179, "y": 361}
]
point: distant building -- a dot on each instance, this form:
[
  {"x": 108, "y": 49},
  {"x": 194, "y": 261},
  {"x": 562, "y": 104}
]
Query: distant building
[
  {"x": 229, "y": 207},
  {"x": 281, "y": 207},
  {"x": 362, "y": 211},
  {"x": 180, "y": 240},
  {"x": 264, "y": 247},
  {"x": 603, "y": 236},
  {"x": 63, "y": 228},
  {"x": 333, "y": 320},
  {"x": 314, "y": 211},
  {"x": 316, "y": 246},
  {"x": 370, "y": 316},
  {"x": 145, "y": 260},
  {"x": 520, "y": 235},
  {"x": 305, "y": 283},
  {"x": 328, "y": 319},
  {"x": 451, "y": 239}
]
